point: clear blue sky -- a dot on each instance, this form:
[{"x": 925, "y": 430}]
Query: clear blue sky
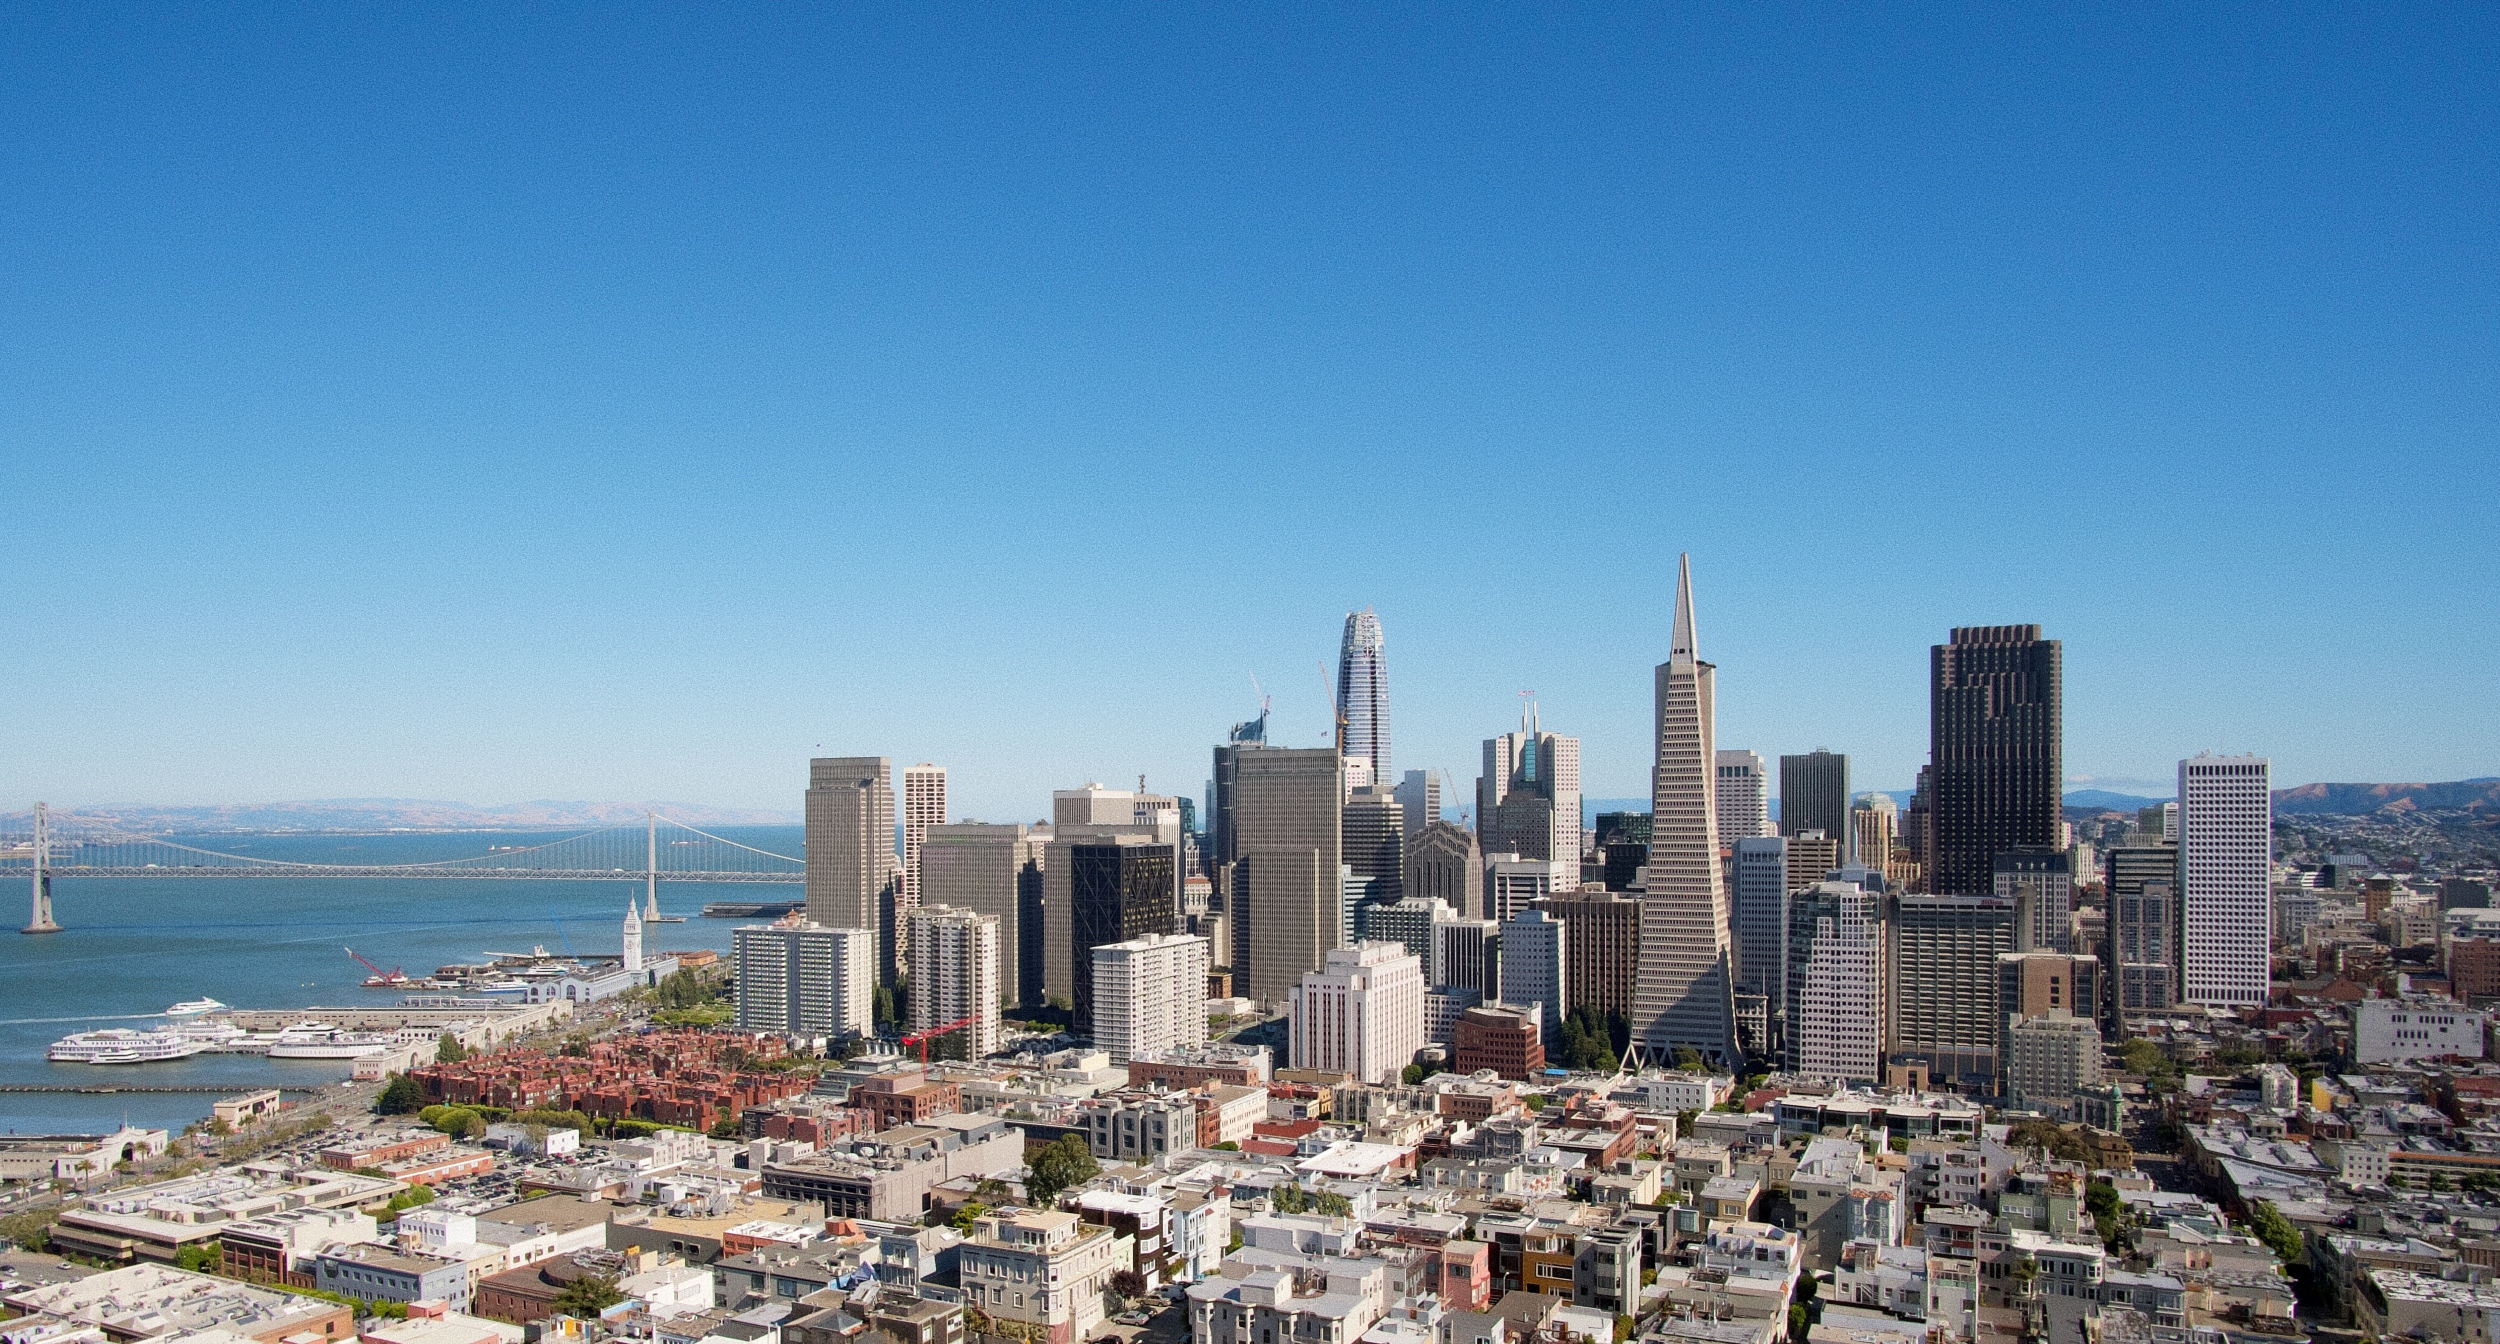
[{"x": 572, "y": 403}]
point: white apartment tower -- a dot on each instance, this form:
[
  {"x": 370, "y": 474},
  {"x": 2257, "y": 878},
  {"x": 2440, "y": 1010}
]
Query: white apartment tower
[
  {"x": 924, "y": 806},
  {"x": 806, "y": 980},
  {"x": 2226, "y": 850},
  {"x": 1361, "y": 1013},
  {"x": 1744, "y": 796},
  {"x": 1534, "y": 972},
  {"x": 1150, "y": 995},
  {"x": 954, "y": 974}
]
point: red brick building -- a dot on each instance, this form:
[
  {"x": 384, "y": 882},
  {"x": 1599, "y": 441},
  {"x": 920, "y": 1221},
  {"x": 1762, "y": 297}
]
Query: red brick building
[{"x": 1504, "y": 1040}]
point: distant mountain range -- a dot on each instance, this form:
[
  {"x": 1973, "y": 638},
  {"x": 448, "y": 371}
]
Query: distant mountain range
[
  {"x": 2363, "y": 799},
  {"x": 385, "y": 814}
]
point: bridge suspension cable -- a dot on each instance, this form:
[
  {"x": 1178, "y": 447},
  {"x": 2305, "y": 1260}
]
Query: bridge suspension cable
[{"x": 661, "y": 847}]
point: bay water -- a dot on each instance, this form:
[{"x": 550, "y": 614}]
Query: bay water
[{"x": 130, "y": 947}]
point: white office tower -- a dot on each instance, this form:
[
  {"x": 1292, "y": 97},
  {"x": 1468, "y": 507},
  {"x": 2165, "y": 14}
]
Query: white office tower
[
  {"x": 1528, "y": 798},
  {"x": 1836, "y": 983},
  {"x": 633, "y": 937},
  {"x": 1686, "y": 992},
  {"x": 1150, "y": 995},
  {"x": 1510, "y": 882},
  {"x": 1093, "y": 805},
  {"x": 954, "y": 974},
  {"x": 805, "y": 980},
  {"x": 1744, "y": 796},
  {"x": 1533, "y": 973},
  {"x": 1467, "y": 954},
  {"x": 924, "y": 806},
  {"x": 1361, "y": 1013},
  {"x": 1363, "y": 697},
  {"x": 1419, "y": 793},
  {"x": 2226, "y": 846}
]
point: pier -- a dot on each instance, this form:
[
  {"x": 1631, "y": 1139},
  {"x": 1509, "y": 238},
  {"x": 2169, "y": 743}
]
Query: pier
[{"x": 102, "y": 1088}]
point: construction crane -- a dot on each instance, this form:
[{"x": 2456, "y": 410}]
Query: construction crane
[
  {"x": 922, "y": 1038},
  {"x": 381, "y": 979},
  {"x": 1328, "y": 686}
]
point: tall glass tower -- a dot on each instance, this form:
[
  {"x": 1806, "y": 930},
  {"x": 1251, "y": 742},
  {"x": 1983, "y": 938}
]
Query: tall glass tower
[{"x": 1363, "y": 694}]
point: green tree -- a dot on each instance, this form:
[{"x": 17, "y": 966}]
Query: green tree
[
  {"x": 1624, "y": 1328},
  {"x": 1689, "y": 1059},
  {"x": 589, "y": 1295},
  {"x": 198, "y": 1259},
  {"x": 449, "y": 1050},
  {"x": 400, "y": 1096},
  {"x": 969, "y": 1214},
  {"x": 1413, "y": 1074},
  {"x": 31, "y": 1229},
  {"x": 1058, "y": 1166},
  {"x": 1128, "y": 1284},
  {"x": 2276, "y": 1231}
]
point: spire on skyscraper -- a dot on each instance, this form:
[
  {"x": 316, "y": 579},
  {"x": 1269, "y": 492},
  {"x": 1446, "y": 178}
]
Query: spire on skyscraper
[{"x": 1685, "y": 997}]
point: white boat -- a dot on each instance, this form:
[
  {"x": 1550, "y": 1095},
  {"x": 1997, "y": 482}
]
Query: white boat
[
  {"x": 195, "y": 1008},
  {"x": 121, "y": 1045},
  {"x": 320, "y": 1040}
]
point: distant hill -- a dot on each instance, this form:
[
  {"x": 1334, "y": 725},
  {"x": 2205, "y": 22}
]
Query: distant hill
[
  {"x": 2102, "y": 800},
  {"x": 2363, "y": 799},
  {"x": 384, "y": 814}
]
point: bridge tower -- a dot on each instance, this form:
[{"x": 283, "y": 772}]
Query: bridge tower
[{"x": 42, "y": 922}]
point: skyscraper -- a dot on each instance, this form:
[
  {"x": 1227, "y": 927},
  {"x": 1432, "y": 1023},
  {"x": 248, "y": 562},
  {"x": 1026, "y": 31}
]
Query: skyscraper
[
  {"x": 1536, "y": 969},
  {"x": 1835, "y": 983},
  {"x": 1467, "y": 954},
  {"x": 1761, "y": 921},
  {"x": 996, "y": 870},
  {"x": 1814, "y": 795},
  {"x": 924, "y": 806},
  {"x": 1374, "y": 831},
  {"x": 955, "y": 956},
  {"x": 808, "y": 980},
  {"x": 1687, "y": 991},
  {"x": 850, "y": 841},
  {"x": 1601, "y": 950},
  {"x": 1419, "y": 794},
  {"x": 1994, "y": 747},
  {"x": 1872, "y": 823},
  {"x": 1744, "y": 795},
  {"x": 2049, "y": 877},
  {"x": 1222, "y": 847},
  {"x": 1118, "y": 890},
  {"x": 1361, "y": 1013},
  {"x": 1150, "y": 995},
  {"x": 1528, "y": 799},
  {"x": 1287, "y": 892},
  {"x": 2143, "y": 896},
  {"x": 1445, "y": 865},
  {"x": 1944, "y": 984},
  {"x": 2226, "y": 852},
  {"x": 1363, "y": 694}
]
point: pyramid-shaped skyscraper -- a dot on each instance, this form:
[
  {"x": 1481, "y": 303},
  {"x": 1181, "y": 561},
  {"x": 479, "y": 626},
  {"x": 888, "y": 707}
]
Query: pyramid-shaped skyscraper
[{"x": 1686, "y": 993}]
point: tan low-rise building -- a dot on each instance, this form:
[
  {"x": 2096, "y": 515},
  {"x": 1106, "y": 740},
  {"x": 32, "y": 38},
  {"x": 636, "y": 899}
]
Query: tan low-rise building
[{"x": 1045, "y": 1270}]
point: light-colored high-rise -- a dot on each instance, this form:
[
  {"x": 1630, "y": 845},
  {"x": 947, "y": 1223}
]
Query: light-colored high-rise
[
  {"x": 1528, "y": 798},
  {"x": 1535, "y": 969},
  {"x": 1363, "y": 694},
  {"x": 1445, "y": 865},
  {"x": 1687, "y": 992},
  {"x": 1288, "y": 893},
  {"x": 1361, "y": 1013},
  {"x": 924, "y": 806},
  {"x": 996, "y": 870},
  {"x": 807, "y": 980},
  {"x": 850, "y": 842},
  {"x": 1150, "y": 995},
  {"x": 1872, "y": 824},
  {"x": 1835, "y": 1015},
  {"x": 2226, "y": 849},
  {"x": 1760, "y": 919},
  {"x": 1511, "y": 882},
  {"x": 1744, "y": 799},
  {"x": 954, "y": 974},
  {"x": 1093, "y": 805}
]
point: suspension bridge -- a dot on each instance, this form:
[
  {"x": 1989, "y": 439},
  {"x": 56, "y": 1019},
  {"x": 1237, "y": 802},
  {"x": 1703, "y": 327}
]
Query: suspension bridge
[{"x": 658, "y": 849}]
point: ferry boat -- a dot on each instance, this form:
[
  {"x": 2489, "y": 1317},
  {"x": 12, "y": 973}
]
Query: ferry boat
[
  {"x": 121, "y": 1045},
  {"x": 195, "y": 1008},
  {"x": 747, "y": 909},
  {"x": 321, "y": 1040}
]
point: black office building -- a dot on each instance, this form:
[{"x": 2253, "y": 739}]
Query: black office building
[
  {"x": 1994, "y": 742},
  {"x": 1814, "y": 796},
  {"x": 1116, "y": 892}
]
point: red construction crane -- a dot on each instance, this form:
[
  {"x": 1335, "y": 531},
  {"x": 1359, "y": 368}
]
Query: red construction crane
[
  {"x": 922, "y": 1038},
  {"x": 380, "y": 977}
]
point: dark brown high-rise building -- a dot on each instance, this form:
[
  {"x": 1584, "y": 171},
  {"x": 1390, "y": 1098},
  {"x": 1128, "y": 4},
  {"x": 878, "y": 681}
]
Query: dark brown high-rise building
[
  {"x": 1994, "y": 735},
  {"x": 1601, "y": 949}
]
